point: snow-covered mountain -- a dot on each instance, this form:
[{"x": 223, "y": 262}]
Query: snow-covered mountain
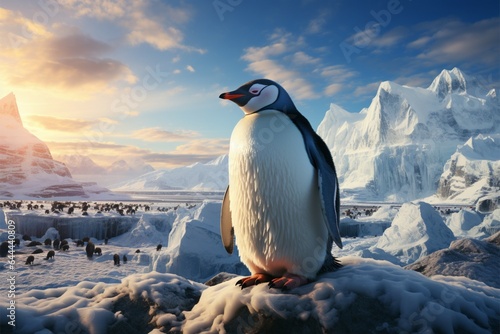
[
  {"x": 396, "y": 148},
  {"x": 212, "y": 175},
  {"x": 81, "y": 164},
  {"x": 473, "y": 171},
  {"x": 26, "y": 164},
  {"x": 84, "y": 169}
]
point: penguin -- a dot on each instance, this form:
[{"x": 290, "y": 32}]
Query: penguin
[{"x": 282, "y": 203}]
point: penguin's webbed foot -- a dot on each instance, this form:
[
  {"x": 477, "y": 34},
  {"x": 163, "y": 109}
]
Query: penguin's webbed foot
[
  {"x": 253, "y": 280},
  {"x": 288, "y": 282}
]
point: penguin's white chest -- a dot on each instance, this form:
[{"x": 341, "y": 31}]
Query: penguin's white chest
[{"x": 274, "y": 197}]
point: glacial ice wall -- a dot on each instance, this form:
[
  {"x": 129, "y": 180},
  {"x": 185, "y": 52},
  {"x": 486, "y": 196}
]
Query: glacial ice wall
[{"x": 72, "y": 227}]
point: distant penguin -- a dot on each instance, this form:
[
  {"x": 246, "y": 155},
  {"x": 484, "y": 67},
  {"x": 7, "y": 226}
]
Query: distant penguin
[
  {"x": 34, "y": 243},
  {"x": 125, "y": 259},
  {"x": 65, "y": 247},
  {"x": 89, "y": 249},
  {"x": 282, "y": 202},
  {"x": 137, "y": 251},
  {"x": 98, "y": 251},
  {"x": 30, "y": 260},
  {"x": 50, "y": 255},
  {"x": 56, "y": 244},
  {"x": 158, "y": 247},
  {"x": 116, "y": 259},
  {"x": 4, "y": 249},
  {"x": 37, "y": 251}
]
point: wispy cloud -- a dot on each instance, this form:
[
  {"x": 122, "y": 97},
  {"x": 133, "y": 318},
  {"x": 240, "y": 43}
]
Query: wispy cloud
[
  {"x": 453, "y": 41},
  {"x": 317, "y": 24},
  {"x": 106, "y": 153},
  {"x": 302, "y": 58},
  {"x": 374, "y": 39},
  {"x": 160, "y": 135},
  {"x": 57, "y": 60},
  {"x": 367, "y": 90},
  {"x": 266, "y": 61},
  {"x": 61, "y": 124},
  {"x": 153, "y": 23},
  {"x": 216, "y": 146}
]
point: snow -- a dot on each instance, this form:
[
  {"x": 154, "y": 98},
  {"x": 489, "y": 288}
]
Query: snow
[
  {"x": 435, "y": 305},
  {"x": 72, "y": 292}
]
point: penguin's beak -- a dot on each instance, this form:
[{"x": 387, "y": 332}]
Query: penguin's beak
[{"x": 230, "y": 95}]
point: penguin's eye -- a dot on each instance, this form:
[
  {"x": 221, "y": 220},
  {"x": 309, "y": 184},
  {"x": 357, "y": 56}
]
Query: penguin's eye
[{"x": 256, "y": 89}]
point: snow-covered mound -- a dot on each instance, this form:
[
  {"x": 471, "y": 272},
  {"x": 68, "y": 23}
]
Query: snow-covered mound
[
  {"x": 476, "y": 259},
  {"x": 416, "y": 231},
  {"x": 473, "y": 171},
  {"x": 461, "y": 222},
  {"x": 396, "y": 148},
  {"x": 212, "y": 175},
  {"x": 194, "y": 248},
  {"x": 139, "y": 304},
  {"x": 362, "y": 297},
  {"x": 365, "y": 296}
]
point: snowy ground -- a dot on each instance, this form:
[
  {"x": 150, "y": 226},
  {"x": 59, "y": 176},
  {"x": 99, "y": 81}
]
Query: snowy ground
[{"x": 71, "y": 289}]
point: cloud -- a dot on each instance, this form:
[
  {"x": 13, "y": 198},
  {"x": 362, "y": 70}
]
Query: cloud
[
  {"x": 453, "y": 41},
  {"x": 290, "y": 80},
  {"x": 57, "y": 60},
  {"x": 152, "y": 23},
  {"x": 160, "y": 135},
  {"x": 61, "y": 124},
  {"x": 333, "y": 89},
  {"x": 339, "y": 73},
  {"x": 200, "y": 146},
  {"x": 106, "y": 153},
  {"x": 372, "y": 37},
  {"x": 368, "y": 89},
  {"x": 190, "y": 68},
  {"x": 317, "y": 24},
  {"x": 261, "y": 61},
  {"x": 301, "y": 58}
]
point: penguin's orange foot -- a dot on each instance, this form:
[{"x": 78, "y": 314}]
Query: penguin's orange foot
[
  {"x": 253, "y": 280},
  {"x": 288, "y": 282}
]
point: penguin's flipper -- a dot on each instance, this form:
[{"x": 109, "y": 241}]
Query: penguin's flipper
[
  {"x": 226, "y": 224},
  {"x": 321, "y": 158},
  {"x": 330, "y": 198}
]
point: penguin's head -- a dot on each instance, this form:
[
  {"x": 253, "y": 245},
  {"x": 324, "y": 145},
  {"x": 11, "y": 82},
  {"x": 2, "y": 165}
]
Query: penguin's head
[{"x": 260, "y": 94}]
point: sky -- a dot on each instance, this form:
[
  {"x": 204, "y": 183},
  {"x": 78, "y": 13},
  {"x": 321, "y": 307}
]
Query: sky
[{"x": 139, "y": 80}]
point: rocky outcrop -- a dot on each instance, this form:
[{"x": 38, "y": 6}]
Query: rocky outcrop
[{"x": 472, "y": 258}]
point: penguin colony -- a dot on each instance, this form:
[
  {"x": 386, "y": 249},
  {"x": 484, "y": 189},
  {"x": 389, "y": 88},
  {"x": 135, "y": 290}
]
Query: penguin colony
[{"x": 282, "y": 202}]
